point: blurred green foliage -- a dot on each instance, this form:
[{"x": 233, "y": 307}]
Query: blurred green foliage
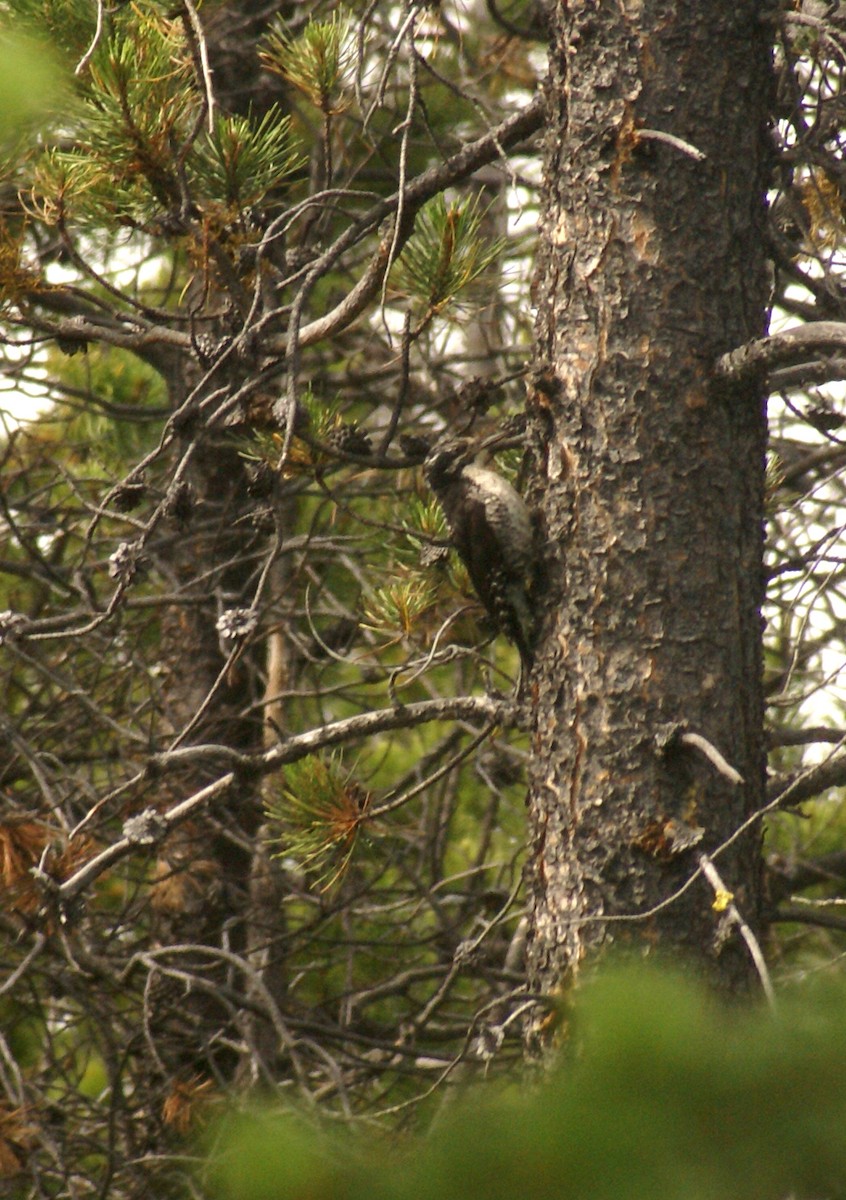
[
  {"x": 29, "y": 83},
  {"x": 663, "y": 1091}
]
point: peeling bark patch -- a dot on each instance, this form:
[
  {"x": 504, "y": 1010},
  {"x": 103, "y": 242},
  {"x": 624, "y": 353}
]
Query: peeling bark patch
[
  {"x": 560, "y": 235},
  {"x": 643, "y": 233}
]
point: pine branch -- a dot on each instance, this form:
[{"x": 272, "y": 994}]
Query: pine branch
[{"x": 150, "y": 827}]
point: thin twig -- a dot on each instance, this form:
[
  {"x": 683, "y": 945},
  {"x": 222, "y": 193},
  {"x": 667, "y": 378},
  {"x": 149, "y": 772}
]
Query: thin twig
[
  {"x": 670, "y": 139},
  {"x": 724, "y": 902},
  {"x": 203, "y": 54},
  {"x": 98, "y": 33},
  {"x": 290, "y": 750},
  {"x": 697, "y": 742},
  {"x": 23, "y": 966},
  {"x": 405, "y": 126}
]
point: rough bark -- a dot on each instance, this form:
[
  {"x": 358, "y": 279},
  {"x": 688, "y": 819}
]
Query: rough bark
[
  {"x": 215, "y": 889},
  {"x": 650, "y": 478},
  {"x": 201, "y": 896}
]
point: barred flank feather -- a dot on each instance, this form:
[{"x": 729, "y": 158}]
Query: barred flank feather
[{"x": 491, "y": 529}]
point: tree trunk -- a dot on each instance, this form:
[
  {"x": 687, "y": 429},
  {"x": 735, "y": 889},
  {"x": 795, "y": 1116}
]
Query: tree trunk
[
  {"x": 215, "y": 887},
  {"x": 651, "y": 482}
]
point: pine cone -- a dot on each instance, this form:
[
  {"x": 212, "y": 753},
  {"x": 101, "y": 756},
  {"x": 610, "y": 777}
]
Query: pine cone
[
  {"x": 415, "y": 445},
  {"x": 350, "y": 438},
  {"x": 127, "y": 496}
]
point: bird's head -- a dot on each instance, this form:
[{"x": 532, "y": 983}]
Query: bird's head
[{"x": 447, "y": 459}]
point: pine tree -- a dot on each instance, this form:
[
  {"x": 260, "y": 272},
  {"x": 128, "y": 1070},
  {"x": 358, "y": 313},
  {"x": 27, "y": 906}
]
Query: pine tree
[{"x": 263, "y": 822}]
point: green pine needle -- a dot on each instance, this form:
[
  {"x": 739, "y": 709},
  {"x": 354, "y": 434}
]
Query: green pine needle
[
  {"x": 317, "y": 62},
  {"x": 317, "y": 818},
  {"x": 395, "y": 609},
  {"x": 445, "y": 254},
  {"x": 424, "y": 519},
  {"x": 240, "y": 161}
]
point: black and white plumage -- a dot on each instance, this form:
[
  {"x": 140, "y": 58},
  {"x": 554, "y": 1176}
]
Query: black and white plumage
[{"x": 491, "y": 529}]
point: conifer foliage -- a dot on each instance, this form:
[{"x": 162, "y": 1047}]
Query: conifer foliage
[
  {"x": 261, "y": 804},
  {"x": 262, "y": 820}
]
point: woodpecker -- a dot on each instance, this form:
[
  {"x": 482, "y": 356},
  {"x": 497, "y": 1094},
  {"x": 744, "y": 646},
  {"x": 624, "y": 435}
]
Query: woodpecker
[{"x": 491, "y": 529}]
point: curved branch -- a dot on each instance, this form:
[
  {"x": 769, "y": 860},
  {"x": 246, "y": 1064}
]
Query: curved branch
[
  {"x": 150, "y": 827},
  {"x": 470, "y": 158},
  {"x": 129, "y": 333},
  {"x": 808, "y": 784},
  {"x": 786, "y": 877},
  {"x": 762, "y": 354},
  {"x": 799, "y": 915}
]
